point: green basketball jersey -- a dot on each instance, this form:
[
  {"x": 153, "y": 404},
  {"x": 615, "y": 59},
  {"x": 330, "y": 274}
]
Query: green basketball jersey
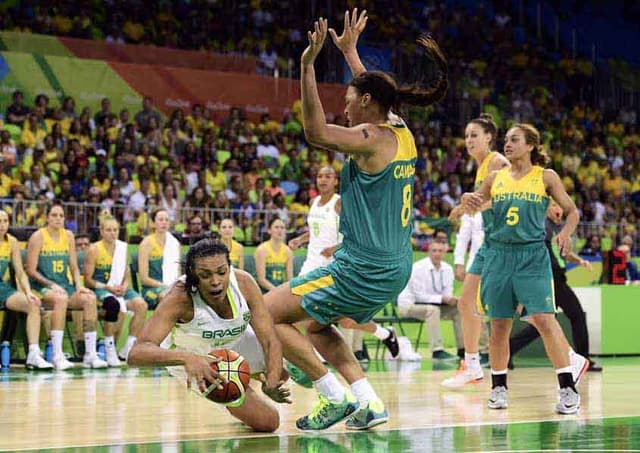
[
  {"x": 5, "y": 259},
  {"x": 519, "y": 207},
  {"x": 156, "y": 255},
  {"x": 53, "y": 261},
  {"x": 481, "y": 175},
  {"x": 377, "y": 209},
  {"x": 102, "y": 270}
]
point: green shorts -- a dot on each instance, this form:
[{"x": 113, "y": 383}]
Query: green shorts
[
  {"x": 351, "y": 286},
  {"x": 151, "y": 295},
  {"x": 478, "y": 261},
  {"x": 6, "y": 291},
  {"x": 102, "y": 293},
  {"x": 517, "y": 274},
  {"x": 41, "y": 291}
]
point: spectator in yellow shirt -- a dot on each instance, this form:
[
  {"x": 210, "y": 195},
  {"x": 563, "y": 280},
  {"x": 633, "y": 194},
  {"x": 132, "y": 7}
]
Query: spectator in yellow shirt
[
  {"x": 215, "y": 179},
  {"x": 616, "y": 184},
  {"x": 33, "y": 133}
]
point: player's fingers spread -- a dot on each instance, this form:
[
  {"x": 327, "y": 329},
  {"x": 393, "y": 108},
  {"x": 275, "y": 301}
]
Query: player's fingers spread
[{"x": 334, "y": 37}]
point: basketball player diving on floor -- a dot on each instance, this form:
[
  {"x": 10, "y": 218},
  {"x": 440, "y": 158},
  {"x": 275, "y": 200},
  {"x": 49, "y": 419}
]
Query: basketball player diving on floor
[{"x": 215, "y": 306}]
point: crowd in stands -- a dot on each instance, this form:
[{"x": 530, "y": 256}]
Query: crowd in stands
[{"x": 195, "y": 160}]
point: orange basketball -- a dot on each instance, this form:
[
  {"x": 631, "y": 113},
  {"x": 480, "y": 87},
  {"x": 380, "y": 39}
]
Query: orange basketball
[{"x": 235, "y": 369}]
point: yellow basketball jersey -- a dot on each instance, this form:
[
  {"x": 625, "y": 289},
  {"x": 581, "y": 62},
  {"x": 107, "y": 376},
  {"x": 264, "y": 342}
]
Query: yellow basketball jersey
[
  {"x": 5, "y": 259},
  {"x": 276, "y": 264},
  {"x": 483, "y": 169},
  {"x": 234, "y": 253},
  {"x": 53, "y": 261}
]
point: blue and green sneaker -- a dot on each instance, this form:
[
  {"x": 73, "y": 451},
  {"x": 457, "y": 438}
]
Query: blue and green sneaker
[
  {"x": 373, "y": 414},
  {"x": 327, "y": 413}
]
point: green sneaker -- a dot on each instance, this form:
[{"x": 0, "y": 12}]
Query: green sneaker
[
  {"x": 373, "y": 414},
  {"x": 326, "y": 413},
  {"x": 298, "y": 376}
]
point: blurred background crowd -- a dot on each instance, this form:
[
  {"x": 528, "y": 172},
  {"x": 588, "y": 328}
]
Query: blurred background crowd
[{"x": 196, "y": 161}]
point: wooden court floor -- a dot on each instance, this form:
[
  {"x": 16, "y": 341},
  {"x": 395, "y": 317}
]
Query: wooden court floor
[{"x": 144, "y": 410}]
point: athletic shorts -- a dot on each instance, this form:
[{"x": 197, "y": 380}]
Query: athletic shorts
[
  {"x": 351, "y": 286},
  {"x": 311, "y": 264},
  {"x": 41, "y": 291},
  {"x": 151, "y": 295},
  {"x": 478, "y": 261},
  {"x": 517, "y": 274},
  {"x": 101, "y": 294},
  {"x": 6, "y": 291}
]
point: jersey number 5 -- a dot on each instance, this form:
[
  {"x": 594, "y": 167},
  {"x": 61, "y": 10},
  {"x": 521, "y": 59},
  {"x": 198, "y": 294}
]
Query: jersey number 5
[
  {"x": 407, "y": 198},
  {"x": 512, "y": 216}
]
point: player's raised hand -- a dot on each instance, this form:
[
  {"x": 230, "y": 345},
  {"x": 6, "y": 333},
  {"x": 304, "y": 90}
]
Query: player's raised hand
[
  {"x": 316, "y": 41},
  {"x": 354, "y": 24}
]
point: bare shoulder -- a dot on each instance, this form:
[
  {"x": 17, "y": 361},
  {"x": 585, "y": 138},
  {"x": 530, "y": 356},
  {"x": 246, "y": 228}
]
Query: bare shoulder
[
  {"x": 70, "y": 234},
  {"x": 178, "y": 297},
  {"x": 244, "y": 278},
  {"x": 498, "y": 162}
]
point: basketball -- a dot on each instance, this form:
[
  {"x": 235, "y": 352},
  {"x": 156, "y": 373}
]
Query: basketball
[{"x": 235, "y": 369}]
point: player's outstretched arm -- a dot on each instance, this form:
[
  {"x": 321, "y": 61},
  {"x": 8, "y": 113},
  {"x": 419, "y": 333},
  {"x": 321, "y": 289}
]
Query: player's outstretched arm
[
  {"x": 347, "y": 42},
  {"x": 264, "y": 328}
]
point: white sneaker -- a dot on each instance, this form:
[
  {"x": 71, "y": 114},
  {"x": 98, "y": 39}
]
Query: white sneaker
[
  {"x": 579, "y": 366},
  {"x": 568, "y": 401},
  {"x": 35, "y": 361},
  {"x": 112, "y": 358},
  {"x": 93, "y": 361},
  {"x": 463, "y": 377},
  {"x": 123, "y": 354},
  {"x": 61, "y": 363},
  {"x": 498, "y": 398}
]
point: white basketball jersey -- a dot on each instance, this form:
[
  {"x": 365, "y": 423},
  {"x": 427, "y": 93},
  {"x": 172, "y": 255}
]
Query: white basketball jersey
[
  {"x": 323, "y": 222},
  {"x": 207, "y": 330}
]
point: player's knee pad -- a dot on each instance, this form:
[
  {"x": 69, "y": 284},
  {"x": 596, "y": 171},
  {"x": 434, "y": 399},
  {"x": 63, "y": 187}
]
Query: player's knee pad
[{"x": 112, "y": 308}]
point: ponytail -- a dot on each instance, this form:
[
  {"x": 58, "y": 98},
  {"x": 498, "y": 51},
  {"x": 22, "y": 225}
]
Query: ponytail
[
  {"x": 413, "y": 94},
  {"x": 384, "y": 90}
]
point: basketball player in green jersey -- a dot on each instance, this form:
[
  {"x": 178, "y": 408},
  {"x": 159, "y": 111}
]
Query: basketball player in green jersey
[
  {"x": 480, "y": 134},
  {"x": 52, "y": 265},
  {"x": 24, "y": 300},
  {"x": 517, "y": 268},
  {"x": 274, "y": 258},
  {"x": 374, "y": 262}
]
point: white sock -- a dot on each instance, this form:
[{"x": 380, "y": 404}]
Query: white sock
[
  {"x": 34, "y": 348},
  {"x": 329, "y": 387},
  {"x": 472, "y": 360},
  {"x": 566, "y": 369},
  {"x": 362, "y": 390},
  {"x": 382, "y": 333},
  {"x": 500, "y": 371},
  {"x": 90, "y": 343},
  {"x": 109, "y": 342},
  {"x": 56, "y": 341},
  {"x": 131, "y": 340}
]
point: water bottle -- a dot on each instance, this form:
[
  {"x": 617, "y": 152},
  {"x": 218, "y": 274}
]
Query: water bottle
[
  {"x": 101, "y": 350},
  {"x": 48, "y": 351},
  {"x": 5, "y": 355}
]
